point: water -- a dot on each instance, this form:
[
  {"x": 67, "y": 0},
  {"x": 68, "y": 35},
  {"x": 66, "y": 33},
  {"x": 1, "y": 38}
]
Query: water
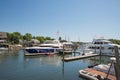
[{"x": 16, "y": 66}]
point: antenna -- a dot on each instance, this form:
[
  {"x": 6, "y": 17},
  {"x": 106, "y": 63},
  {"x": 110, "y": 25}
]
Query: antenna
[{"x": 57, "y": 35}]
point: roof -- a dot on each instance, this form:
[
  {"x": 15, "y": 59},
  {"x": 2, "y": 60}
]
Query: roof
[
  {"x": 35, "y": 40},
  {"x": 3, "y": 35}
]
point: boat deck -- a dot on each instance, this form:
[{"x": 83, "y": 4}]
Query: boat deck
[{"x": 93, "y": 71}]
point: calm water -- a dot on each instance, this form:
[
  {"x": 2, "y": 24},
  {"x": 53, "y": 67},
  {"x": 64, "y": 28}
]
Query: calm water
[{"x": 16, "y": 66}]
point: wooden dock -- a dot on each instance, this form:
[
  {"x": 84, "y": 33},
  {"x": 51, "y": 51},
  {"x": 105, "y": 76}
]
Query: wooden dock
[{"x": 79, "y": 57}]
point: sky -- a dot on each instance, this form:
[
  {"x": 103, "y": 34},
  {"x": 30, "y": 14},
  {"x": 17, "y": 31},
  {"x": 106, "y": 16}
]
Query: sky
[{"x": 76, "y": 20}]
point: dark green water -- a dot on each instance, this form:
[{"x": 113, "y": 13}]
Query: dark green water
[{"x": 16, "y": 66}]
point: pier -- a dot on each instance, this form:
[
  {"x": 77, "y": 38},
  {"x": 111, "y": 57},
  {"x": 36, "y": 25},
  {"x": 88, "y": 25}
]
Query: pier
[{"x": 79, "y": 57}]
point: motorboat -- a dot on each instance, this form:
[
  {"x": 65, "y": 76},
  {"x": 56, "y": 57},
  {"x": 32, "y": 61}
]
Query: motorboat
[
  {"x": 4, "y": 47},
  {"x": 103, "y": 46},
  {"x": 104, "y": 68},
  {"x": 54, "y": 44},
  {"x": 88, "y": 75},
  {"x": 99, "y": 72},
  {"x": 68, "y": 47},
  {"x": 39, "y": 50},
  {"x": 49, "y": 47},
  {"x": 86, "y": 52}
]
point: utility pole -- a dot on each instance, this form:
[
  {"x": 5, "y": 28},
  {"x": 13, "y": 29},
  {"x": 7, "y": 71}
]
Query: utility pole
[{"x": 117, "y": 64}]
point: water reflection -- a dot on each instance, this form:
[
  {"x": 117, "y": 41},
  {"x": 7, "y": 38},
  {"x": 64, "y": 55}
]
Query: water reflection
[
  {"x": 44, "y": 59},
  {"x": 16, "y": 66}
]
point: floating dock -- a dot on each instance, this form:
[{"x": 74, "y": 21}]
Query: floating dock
[
  {"x": 79, "y": 57},
  {"x": 71, "y": 52}
]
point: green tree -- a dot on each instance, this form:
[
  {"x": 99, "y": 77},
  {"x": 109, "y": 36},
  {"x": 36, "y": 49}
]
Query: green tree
[
  {"x": 27, "y": 37},
  {"x": 16, "y": 39},
  {"x": 60, "y": 38},
  {"x": 115, "y": 41},
  {"x": 18, "y": 35},
  {"x": 41, "y": 39},
  {"x": 13, "y": 38},
  {"x": 48, "y": 38}
]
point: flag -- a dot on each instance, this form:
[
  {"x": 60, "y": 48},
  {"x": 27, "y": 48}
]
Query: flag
[{"x": 57, "y": 33}]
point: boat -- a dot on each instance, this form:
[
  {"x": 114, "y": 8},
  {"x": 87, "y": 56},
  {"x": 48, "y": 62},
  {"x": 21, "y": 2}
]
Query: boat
[
  {"x": 68, "y": 47},
  {"x": 4, "y": 47},
  {"x": 91, "y": 66},
  {"x": 102, "y": 46},
  {"x": 86, "y": 52},
  {"x": 104, "y": 68},
  {"x": 49, "y": 47},
  {"x": 88, "y": 75},
  {"x": 39, "y": 50},
  {"x": 54, "y": 44},
  {"x": 99, "y": 71}
]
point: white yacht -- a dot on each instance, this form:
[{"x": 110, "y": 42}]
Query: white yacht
[
  {"x": 68, "y": 46},
  {"x": 103, "y": 46},
  {"x": 49, "y": 47},
  {"x": 55, "y": 44},
  {"x": 52, "y": 43}
]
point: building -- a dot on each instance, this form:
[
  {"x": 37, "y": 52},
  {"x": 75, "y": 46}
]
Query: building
[
  {"x": 34, "y": 42},
  {"x": 3, "y": 37}
]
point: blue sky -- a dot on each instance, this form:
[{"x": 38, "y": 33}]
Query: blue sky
[{"x": 76, "y": 19}]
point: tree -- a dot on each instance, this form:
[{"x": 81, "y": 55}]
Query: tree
[
  {"x": 48, "y": 38},
  {"x": 27, "y": 37},
  {"x": 18, "y": 35},
  {"x": 115, "y": 41},
  {"x": 13, "y": 37},
  {"x": 60, "y": 38},
  {"x": 40, "y": 38}
]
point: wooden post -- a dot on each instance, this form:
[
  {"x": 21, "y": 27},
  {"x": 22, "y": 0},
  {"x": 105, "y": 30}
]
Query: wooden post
[
  {"x": 63, "y": 53},
  {"x": 95, "y": 49},
  {"x": 109, "y": 69},
  {"x": 117, "y": 65},
  {"x": 100, "y": 54},
  {"x": 63, "y": 63},
  {"x": 100, "y": 50}
]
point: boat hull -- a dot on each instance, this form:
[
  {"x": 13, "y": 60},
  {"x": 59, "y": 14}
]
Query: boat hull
[{"x": 41, "y": 50}]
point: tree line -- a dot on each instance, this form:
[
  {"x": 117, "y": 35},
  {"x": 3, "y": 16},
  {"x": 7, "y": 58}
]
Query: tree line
[
  {"x": 115, "y": 41},
  {"x": 15, "y": 37}
]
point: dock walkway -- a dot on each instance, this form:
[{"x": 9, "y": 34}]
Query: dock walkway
[{"x": 79, "y": 57}]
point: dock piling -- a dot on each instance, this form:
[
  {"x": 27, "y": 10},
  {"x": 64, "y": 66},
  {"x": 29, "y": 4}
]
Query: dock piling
[{"x": 117, "y": 63}]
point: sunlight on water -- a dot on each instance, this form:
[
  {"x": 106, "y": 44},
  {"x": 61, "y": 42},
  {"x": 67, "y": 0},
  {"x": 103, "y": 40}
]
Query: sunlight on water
[{"x": 16, "y": 66}]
